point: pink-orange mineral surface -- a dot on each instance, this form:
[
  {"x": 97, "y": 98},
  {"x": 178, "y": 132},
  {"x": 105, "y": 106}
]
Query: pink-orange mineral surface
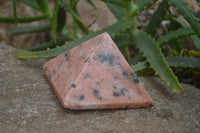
[{"x": 95, "y": 75}]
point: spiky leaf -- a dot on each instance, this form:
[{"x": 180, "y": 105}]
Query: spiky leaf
[
  {"x": 114, "y": 29},
  {"x": 122, "y": 40},
  {"x": 157, "y": 17},
  {"x": 23, "y": 20},
  {"x": 52, "y": 44},
  {"x": 176, "y": 62},
  {"x": 76, "y": 16},
  {"x": 185, "y": 62},
  {"x": 54, "y": 18},
  {"x": 66, "y": 6},
  {"x": 44, "y": 6},
  {"x": 175, "y": 34},
  {"x": 92, "y": 4},
  {"x": 196, "y": 41},
  {"x": 141, "y": 5},
  {"x": 118, "y": 11},
  {"x": 15, "y": 10},
  {"x": 198, "y": 1},
  {"x": 183, "y": 8},
  {"x": 154, "y": 56},
  {"x": 31, "y": 29},
  {"x": 31, "y": 4},
  {"x": 140, "y": 66},
  {"x": 122, "y": 3},
  {"x": 195, "y": 38},
  {"x": 61, "y": 19}
]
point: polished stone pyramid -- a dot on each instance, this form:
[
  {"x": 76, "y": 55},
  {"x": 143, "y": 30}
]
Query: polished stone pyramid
[{"x": 95, "y": 75}]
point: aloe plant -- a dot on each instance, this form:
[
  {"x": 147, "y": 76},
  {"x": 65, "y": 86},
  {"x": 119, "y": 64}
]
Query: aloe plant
[{"x": 124, "y": 32}]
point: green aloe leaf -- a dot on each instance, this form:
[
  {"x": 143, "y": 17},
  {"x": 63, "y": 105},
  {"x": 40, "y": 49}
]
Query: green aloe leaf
[
  {"x": 198, "y": 1},
  {"x": 31, "y": 29},
  {"x": 185, "y": 62},
  {"x": 126, "y": 4},
  {"x": 75, "y": 15},
  {"x": 140, "y": 66},
  {"x": 31, "y": 4},
  {"x": 195, "y": 38},
  {"x": 66, "y": 6},
  {"x": 122, "y": 3},
  {"x": 118, "y": 11},
  {"x": 176, "y": 62},
  {"x": 122, "y": 40},
  {"x": 44, "y": 6},
  {"x": 54, "y": 18},
  {"x": 127, "y": 53},
  {"x": 23, "y": 20},
  {"x": 92, "y": 4},
  {"x": 61, "y": 19},
  {"x": 183, "y": 8},
  {"x": 15, "y": 10},
  {"x": 141, "y": 5},
  {"x": 52, "y": 44},
  {"x": 157, "y": 18},
  {"x": 114, "y": 29},
  {"x": 76, "y": 29},
  {"x": 173, "y": 35},
  {"x": 156, "y": 59},
  {"x": 73, "y": 4},
  {"x": 196, "y": 41}
]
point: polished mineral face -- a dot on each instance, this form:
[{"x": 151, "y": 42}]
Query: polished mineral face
[{"x": 95, "y": 75}]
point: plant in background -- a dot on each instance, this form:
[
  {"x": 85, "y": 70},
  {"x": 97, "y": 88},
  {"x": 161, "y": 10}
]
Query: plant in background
[{"x": 124, "y": 32}]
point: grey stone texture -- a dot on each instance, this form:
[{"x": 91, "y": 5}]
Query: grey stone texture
[{"x": 28, "y": 104}]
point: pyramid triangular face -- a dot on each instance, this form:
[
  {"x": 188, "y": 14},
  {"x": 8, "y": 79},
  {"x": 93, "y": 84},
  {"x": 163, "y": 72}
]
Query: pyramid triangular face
[{"x": 95, "y": 75}]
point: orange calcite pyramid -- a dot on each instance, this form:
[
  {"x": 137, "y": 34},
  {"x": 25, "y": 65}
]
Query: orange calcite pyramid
[{"x": 95, "y": 75}]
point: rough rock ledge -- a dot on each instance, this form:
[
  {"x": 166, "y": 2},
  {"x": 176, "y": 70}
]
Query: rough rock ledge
[{"x": 29, "y": 104}]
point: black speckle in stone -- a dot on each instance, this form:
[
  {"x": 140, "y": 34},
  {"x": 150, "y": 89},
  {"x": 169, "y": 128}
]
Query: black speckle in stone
[
  {"x": 133, "y": 74},
  {"x": 59, "y": 65},
  {"x": 123, "y": 90},
  {"x": 116, "y": 77},
  {"x": 97, "y": 95},
  {"x": 81, "y": 97},
  {"x": 97, "y": 82},
  {"x": 87, "y": 60},
  {"x": 58, "y": 75},
  {"x": 87, "y": 75},
  {"x": 114, "y": 87},
  {"x": 73, "y": 85},
  {"x": 101, "y": 40},
  {"x": 54, "y": 72},
  {"x": 138, "y": 93},
  {"x": 67, "y": 56},
  {"x": 116, "y": 94},
  {"x": 125, "y": 73},
  {"x": 107, "y": 58},
  {"x": 136, "y": 80}
]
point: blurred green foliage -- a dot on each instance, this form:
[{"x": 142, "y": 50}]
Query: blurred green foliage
[{"x": 161, "y": 54}]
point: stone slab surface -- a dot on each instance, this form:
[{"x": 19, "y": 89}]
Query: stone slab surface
[{"x": 29, "y": 104}]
